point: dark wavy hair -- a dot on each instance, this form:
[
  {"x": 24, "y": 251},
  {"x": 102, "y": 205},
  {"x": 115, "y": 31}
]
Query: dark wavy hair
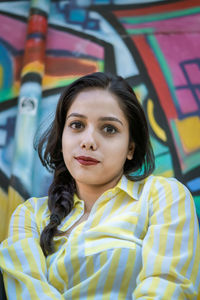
[{"x": 49, "y": 147}]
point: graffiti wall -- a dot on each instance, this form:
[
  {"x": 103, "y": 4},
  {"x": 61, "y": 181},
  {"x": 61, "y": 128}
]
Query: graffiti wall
[{"x": 153, "y": 44}]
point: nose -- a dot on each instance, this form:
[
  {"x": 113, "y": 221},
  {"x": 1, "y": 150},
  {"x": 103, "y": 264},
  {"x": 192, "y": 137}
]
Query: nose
[{"x": 88, "y": 141}]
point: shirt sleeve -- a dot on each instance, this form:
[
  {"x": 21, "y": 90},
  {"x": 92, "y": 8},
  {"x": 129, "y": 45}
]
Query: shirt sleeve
[
  {"x": 22, "y": 261},
  {"x": 171, "y": 247}
]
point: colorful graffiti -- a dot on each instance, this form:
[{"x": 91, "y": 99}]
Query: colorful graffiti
[{"x": 154, "y": 45}]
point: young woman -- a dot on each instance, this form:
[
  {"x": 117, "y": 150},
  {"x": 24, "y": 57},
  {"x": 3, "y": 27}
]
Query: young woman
[{"x": 108, "y": 229}]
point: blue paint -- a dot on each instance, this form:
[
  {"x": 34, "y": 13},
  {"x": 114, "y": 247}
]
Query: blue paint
[
  {"x": 6, "y": 64},
  {"x": 194, "y": 184},
  {"x": 93, "y": 24},
  {"x": 7, "y": 123},
  {"x": 77, "y": 15},
  {"x": 30, "y": 89},
  {"x": 8, "y": 131},
  {"x": 103, "y": 2}
]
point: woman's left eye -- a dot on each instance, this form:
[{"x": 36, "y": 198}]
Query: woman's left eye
[{"x": 109, "y": 129}]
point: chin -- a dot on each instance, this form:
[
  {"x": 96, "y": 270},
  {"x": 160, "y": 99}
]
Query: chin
[{"x": 88, "y": 180}]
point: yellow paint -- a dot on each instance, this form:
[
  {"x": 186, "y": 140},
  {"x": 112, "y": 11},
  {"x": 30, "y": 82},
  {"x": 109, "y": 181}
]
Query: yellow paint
[
  {"x": 8, "y": 202},
  {"x": 168, "y": 173},
  {"x": 3, "y": 213},
  {"x": 1, "y": 77},
  {"x": 156, "y": 128},
  {"x": 138, "y": 95},
  {"x": 189, "y": 132},
  {"x": 49, "y": 81},
  {"x": 16, "y": 88},
  {"x": 35, "y": 67}
]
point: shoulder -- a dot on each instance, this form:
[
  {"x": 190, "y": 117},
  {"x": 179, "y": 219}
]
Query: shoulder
[
  {"x": 32, "y": 205},
  {"x": 169, "y": 194},
  {"x": 32, "y": 214},
  {"x": 153, "y": 187},
  {"x": 168, "y": 185}
]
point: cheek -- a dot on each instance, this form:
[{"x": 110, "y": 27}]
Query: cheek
[
  {"x": 67, "y": 140},
  {"x": 66, "y": 148},
  {"x": 117, "y": 153}
]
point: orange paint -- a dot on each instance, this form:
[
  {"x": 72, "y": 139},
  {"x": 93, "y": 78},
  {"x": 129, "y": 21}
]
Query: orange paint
[{"x": 37, "y": 24}]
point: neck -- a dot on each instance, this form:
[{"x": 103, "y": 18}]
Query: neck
[{"x": 90, "y": 193}]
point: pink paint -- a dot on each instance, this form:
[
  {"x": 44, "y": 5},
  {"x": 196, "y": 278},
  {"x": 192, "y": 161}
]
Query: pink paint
[
  {"x": 59, "y": 40},
  {"x": 197, "y": 91},
  {"x": 176, "y": 49},
  {"x": 186, "y": 101},
  {"x": 180, "y": 44},
  {"x": 184, "y": 24},
  {"x": 13, "y": 31},
  {"x": 193, "y": 72}
]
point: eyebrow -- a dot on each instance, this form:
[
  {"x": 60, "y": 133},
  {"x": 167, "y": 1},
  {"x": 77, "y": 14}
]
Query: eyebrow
[
  {"x": 76, "y": 115},
  {"x": 101, "y": 118}
]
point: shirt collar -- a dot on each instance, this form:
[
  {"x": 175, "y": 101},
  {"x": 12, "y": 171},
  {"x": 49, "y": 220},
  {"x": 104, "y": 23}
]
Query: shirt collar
[
  {"x": 77, "y": 200},
  {"x": 132, "y": 188}
]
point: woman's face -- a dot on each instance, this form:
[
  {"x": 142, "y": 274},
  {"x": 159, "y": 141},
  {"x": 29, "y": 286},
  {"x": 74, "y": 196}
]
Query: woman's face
[{"x": 95, "y": 140}]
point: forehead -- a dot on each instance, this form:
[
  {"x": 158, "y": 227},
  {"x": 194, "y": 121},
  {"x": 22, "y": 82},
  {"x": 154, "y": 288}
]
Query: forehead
[{"x": 96, "y": 100}]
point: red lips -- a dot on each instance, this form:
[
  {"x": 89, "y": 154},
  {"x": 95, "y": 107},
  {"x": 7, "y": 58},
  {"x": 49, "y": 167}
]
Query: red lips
[{"x": 86, "y": 160}]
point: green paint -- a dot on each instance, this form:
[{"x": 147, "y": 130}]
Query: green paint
[
  {"x": 197, "y": 202},
  {"x": 141, "y": 91},
  {"x": 158, "y": 148},
  {"x": 7, "y": 94},
  {"x": 101, "y": 66},
  {"x": 163, "y": 164},
  {"x": 137, "y": 31},
  {"x": 197, "y": 205}
]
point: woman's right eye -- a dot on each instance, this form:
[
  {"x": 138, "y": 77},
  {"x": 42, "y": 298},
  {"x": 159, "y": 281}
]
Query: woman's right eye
[{"x": 76, "y": 125}]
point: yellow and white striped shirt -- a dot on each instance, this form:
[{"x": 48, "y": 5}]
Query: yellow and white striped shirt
[{"x": 140, "y": 241}]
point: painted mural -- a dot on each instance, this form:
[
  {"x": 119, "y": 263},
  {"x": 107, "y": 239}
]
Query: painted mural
[{"x": 45, "y": 45}]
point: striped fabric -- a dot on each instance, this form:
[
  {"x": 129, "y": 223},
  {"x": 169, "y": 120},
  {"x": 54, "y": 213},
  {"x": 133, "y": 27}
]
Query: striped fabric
[{"x": 141, "y": 241}]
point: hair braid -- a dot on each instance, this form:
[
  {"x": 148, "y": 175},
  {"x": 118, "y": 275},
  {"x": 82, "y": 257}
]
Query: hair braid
[{"x": 60, "y": 204}]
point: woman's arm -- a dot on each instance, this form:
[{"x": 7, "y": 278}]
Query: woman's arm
[
  {"x": 171, "y": 248},
  {"x": 22, "y": 260}
]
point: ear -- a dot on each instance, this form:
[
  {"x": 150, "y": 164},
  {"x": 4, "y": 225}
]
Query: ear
[{"x": 130, "y": 151}]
